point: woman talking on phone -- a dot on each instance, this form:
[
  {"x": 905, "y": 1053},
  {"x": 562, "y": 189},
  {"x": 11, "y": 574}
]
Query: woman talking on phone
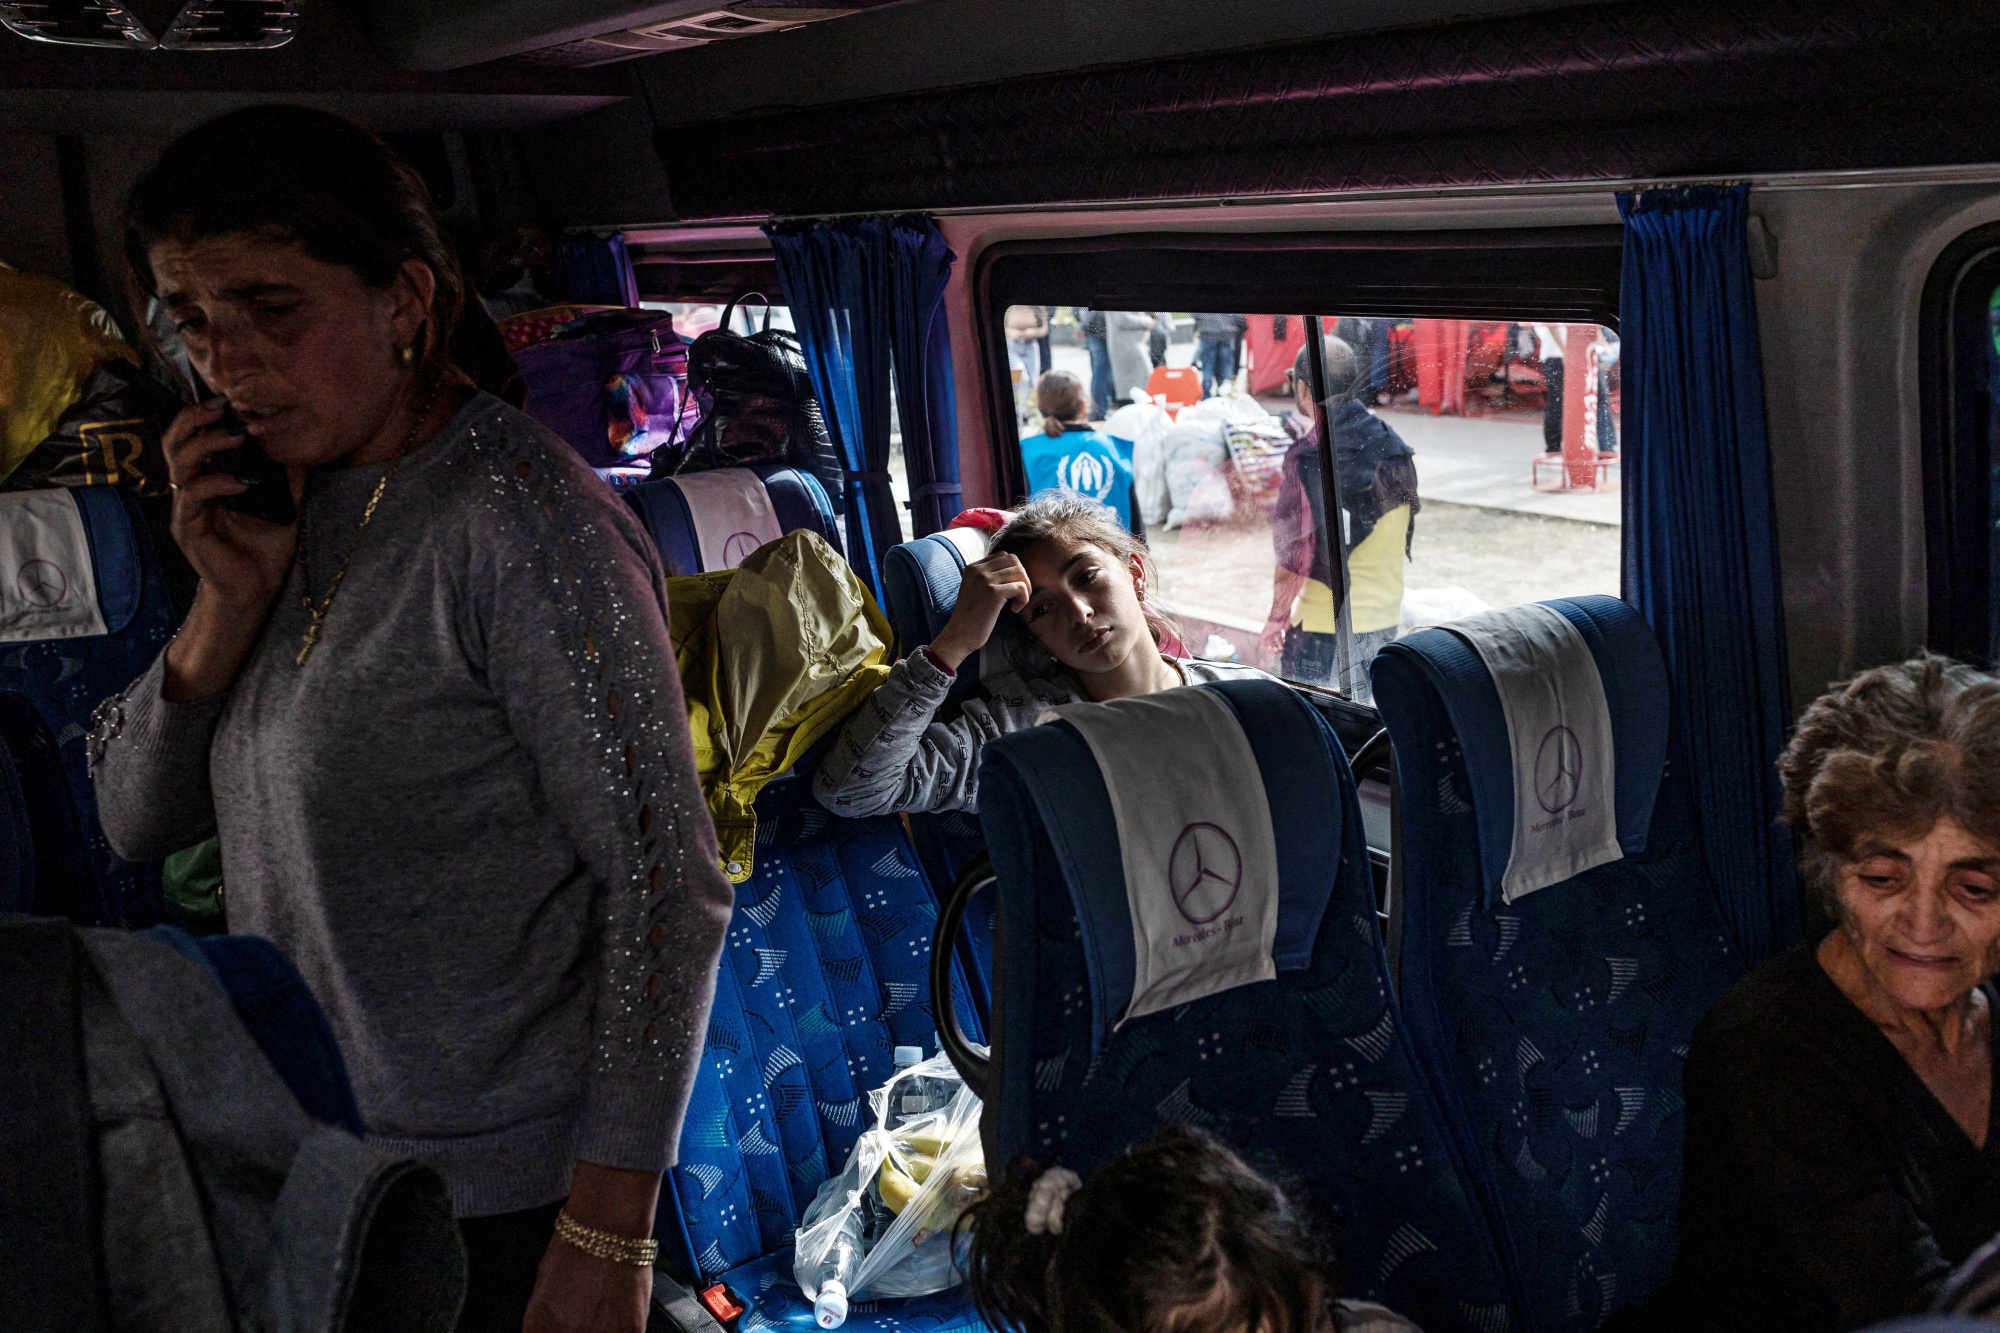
[{"x": 435, "y": 720}]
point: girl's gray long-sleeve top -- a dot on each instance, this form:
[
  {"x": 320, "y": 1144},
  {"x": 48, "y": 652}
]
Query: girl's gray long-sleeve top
[
  {"x": 895, "y": 755},
  {"x": 471, "y": 817}
]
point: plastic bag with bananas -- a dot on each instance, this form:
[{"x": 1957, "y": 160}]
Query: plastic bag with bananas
[{"x": 885, "y": 1225}]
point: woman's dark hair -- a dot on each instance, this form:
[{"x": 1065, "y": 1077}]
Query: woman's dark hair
[
  {"x": 1177, "y": 1234},
  {"x": 1888, "y": 753},
  {"x": 1059, "y": 397},
  {"x": 290, "y": 173}
]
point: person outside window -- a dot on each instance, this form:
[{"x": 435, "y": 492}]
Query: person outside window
[
  {"x": 1378, "y": 490},
  {"x": 1095, "y": 342},
  {"x": 1549, "y": 351},
  {"x": 436, "y": 721},
  {"x": 1067, "y": 454},
  {"x": 1216, "y": 340},
  {"x": 1129, "y": 331},
  {"x": 1026, "y": 327}
]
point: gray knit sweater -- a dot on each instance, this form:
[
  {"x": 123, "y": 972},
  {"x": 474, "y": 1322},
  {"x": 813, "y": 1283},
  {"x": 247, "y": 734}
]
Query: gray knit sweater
[
  {"x": 471, "y": 818},
  {"x": 897, "y": 754}
]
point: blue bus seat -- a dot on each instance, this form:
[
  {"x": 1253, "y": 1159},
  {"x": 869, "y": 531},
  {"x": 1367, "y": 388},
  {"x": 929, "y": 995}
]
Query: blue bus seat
[
  {"x": 44, "y": 860},
  {"x": 67, "y": 678},
  {"x": 1310, "y": 1073},
  {"x": 825, "y": 972},
  {"x": 920, "y": 582},
  {"x": 797, "y": 499},
  {"x": 1556, "y": 1026}
]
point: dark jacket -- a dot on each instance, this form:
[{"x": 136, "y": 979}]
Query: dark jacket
[{"x": 1825, "y": 1187}]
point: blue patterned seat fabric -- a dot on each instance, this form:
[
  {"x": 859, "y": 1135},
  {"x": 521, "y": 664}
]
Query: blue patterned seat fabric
[
  {"x": 920, "y": 581},
  {"x": 1309, "y": 1076},
  {"x": 825, "y": 972},
  {"x": 44, "y": 860},
  {"x": 66, "y": 679},
  {"x": 1556, "y": 1026}
]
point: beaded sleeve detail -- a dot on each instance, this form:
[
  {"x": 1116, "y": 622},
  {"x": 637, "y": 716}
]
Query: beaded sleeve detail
[{"x": 569, "y": 599}]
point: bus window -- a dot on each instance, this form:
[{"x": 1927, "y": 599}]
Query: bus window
[
  {"x": 1472, "y": 469},
  {"x": 694, "y": 318}
]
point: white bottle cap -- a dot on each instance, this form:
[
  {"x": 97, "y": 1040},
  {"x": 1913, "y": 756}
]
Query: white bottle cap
[
  {"x": 909, "y": 1055},
  {"x": 830, "y": 1306}
]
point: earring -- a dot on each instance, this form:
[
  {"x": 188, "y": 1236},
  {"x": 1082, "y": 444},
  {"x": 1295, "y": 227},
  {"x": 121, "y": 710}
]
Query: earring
[{"x": 408, "y": 356}]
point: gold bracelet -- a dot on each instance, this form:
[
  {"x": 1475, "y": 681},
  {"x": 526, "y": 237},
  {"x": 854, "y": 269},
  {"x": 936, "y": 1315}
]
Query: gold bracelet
[{"x": 603, "y": 1245}]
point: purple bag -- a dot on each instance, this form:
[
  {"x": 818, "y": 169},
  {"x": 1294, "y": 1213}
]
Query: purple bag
[{"x": 613, "y": 384}]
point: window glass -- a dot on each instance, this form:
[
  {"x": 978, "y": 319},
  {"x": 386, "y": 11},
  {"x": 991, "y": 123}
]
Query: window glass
[
  {"x": 1992, "y": 423},
  {"x": 1473, "y": 469},
  {"x": 692, "y": 319}
]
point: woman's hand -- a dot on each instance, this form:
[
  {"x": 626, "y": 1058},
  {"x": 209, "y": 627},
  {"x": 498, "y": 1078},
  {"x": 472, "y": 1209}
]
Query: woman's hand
[
  {"x": 575, "y": 1293},
  {"x": 243, "y": 561},
  {"x": 989, "y": 587}
]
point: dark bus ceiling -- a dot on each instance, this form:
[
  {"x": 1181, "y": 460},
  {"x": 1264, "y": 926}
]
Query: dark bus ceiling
[{"x": 919, "y": 104}]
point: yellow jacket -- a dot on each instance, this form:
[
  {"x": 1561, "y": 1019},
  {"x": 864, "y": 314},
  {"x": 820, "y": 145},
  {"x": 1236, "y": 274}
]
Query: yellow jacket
[
  {"x": 51, "y": 339},
  {"x": 772, "y": 656}
]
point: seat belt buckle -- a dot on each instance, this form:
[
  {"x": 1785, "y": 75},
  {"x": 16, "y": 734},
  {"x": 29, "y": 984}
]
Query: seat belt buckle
[{"x": 722, "y": 1303}]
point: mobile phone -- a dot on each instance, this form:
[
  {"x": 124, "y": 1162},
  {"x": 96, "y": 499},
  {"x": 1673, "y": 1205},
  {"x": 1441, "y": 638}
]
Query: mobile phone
[{"x": 269, "y": 496}]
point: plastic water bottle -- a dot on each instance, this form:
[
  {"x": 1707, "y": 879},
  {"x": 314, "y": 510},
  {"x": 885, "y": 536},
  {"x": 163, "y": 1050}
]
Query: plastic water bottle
[
  {"x": 912, "y": 1097},
  {"x": 836, "y": 1270}
]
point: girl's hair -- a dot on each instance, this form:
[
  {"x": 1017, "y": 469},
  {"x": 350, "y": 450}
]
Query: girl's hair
[
  {"x": 1059, "y": 397},
  {"x": 1177, "y": 1234},
  {"x": 1065, "y": 516},
  {"x": 1890, "y": 752},
  {"x": 293, "y": 174}
]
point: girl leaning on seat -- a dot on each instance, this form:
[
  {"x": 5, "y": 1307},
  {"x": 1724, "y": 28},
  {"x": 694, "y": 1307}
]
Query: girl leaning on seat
[
  {"x": 435, "y": 722},
  {"x": 1065, "y": 587}
]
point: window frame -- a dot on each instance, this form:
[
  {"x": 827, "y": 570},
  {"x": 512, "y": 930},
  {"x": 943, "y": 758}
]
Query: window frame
[
  {"x": 1954, "y": 344},
  {"x": 1560, "y": 274}
]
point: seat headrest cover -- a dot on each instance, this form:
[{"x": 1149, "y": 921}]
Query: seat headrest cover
[
  {"x": 732, "y": 515},
  {"x": 48, "y": 578},
  {"x": 1630, "y": 681},
  {"x": 1210, "y": 858},
  {"x": 1191, "y": 817},
  {"x": 1559, "y": 749}
]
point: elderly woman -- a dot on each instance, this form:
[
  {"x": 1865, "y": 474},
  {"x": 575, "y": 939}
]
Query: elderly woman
[
  {"x": 435, "y": 721},
  {"x": 1840, "y": 1154}
]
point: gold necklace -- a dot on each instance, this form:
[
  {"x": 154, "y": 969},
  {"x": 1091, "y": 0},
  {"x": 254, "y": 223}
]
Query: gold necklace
[{"x": 318, "y": 613}]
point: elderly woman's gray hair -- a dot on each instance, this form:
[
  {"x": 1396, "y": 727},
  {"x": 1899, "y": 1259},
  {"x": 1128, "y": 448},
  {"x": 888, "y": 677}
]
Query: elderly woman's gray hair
[{"x": 1890, "y": 752}]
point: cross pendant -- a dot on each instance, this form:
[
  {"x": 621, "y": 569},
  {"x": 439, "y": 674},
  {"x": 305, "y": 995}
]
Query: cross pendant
[{"x": 309, "y": 642}]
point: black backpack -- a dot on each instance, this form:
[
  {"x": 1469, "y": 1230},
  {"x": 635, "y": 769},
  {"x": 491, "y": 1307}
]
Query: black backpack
[{"x": 757, "y": 404}]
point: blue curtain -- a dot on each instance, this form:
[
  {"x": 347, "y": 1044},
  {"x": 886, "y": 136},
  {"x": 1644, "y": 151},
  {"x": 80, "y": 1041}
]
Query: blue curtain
[
  {"x": 1701, "y": 554},
  {"x": 866, "y": 295},
  {"x": 594, "y": 270},
  {"x": 925, "y": 400}
]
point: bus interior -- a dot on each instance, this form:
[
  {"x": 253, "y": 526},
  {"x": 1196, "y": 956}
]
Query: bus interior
[{"x": 1680, "y": 319}]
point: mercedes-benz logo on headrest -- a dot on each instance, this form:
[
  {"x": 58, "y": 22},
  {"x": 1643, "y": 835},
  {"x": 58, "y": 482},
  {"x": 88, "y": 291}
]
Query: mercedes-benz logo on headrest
[
  {"x": 739, "y": 548},
  {"x": 42, "y": 583},
  {"x": 1558, "y": 770},
  {"x": 1206, "y": 873}
]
